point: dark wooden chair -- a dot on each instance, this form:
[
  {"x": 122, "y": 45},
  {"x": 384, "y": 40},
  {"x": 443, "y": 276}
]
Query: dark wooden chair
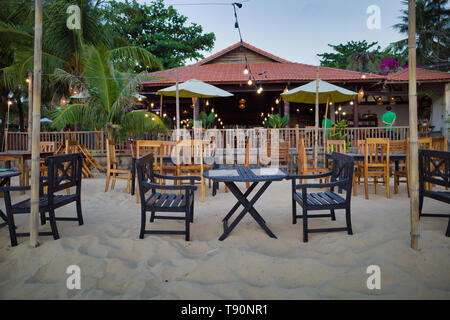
[
  {"x": 341, "y": 176},
  {"x": 434, "y": 168},
  {"x": 64, "y": 172},
  {"x": 163, "y": 201}
]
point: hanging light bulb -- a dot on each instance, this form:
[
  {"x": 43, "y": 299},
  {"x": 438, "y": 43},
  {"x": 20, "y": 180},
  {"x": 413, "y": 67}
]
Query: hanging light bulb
[
  {"x": 272, "y": 109},
  {"x": 352, "y": 103},
  {"x": 298, "y": 110},
  {"x": 207, "y": 103},
  {"x": 277, "y": 101},
  {"x": 260, "y": 90},
  {"x": 392, "y": 101},
  {"x": 340, "y": 108},
  {"x": 380, "y": 101},
  {"x": 344, "y": 113},
  {"x": 146, "y": 115},
  {"x": 336, "y": 112},
  {"x": 331, "y": 103},
  {"x": 250, "y": 81},
  {"x": 165, "y": 115},
  {"x": 286, "y": 89},
  {"x": 246, "y": 70},
  {"x": 363, "y": 76},
  {"x": 212, "y": 110},
  {"x": 361, "y": 94},
  {"x": 262, "y": 114},
  {"x": 216, "y": 115}
]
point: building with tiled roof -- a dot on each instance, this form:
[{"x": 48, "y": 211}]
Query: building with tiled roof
[{"x": 225, "y": 69}]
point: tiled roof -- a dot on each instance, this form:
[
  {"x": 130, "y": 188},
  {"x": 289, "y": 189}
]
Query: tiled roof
[
  {"x": 422, "y": 75},
  {"x": 275, "y": 73},
  {"x": 245, "y": 45}
]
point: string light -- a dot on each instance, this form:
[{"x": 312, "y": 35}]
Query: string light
[
  {"x": 352, "y": 103},
  {"x": 246, "y": 70},
  {"x": 250, "y": 81}
]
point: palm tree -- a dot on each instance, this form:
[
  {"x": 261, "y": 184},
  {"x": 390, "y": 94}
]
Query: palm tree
[
  {"x": 432, "y": 31},
  {"x": 110, "y": 95}
]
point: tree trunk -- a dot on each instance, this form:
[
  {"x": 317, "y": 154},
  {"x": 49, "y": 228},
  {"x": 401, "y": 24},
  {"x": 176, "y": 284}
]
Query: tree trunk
[{"x": 21, "y": 115}]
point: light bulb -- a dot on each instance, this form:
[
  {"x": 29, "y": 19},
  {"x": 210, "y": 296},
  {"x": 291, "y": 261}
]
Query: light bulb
[
  {"x": 344, "y": 113},
  {"x": 277, "y": 101},
  {"x": 207, "y": 102},
  {"x": 336, "y": 112},
  {"x": 245, "y": 70},
  {"x": 352, "y": 103},
  {"x": 250, "y": 82},
  {"x": 340, "y": 108},
  {"x": 212, "y": 110},
  {"x": 146, "y": 115}
]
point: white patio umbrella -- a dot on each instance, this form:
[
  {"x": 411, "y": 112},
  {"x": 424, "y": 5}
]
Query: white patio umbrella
[
  {"x": 193, "y": 89},
  {"x": 327, "y": 93},
  {"x": 46, "y": 120}
]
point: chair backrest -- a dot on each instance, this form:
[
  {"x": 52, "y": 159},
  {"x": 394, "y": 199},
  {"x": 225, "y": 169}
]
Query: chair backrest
[
  {"x": 111, "y": 158},
  {"x": 280, "y": 155},
  {"x": 302, "y": 160},
  {"x": 360, "y": 146},
  {"x": 342, "y": 169},
  {"x": 189, "y": 154},
  {"x": 144, "y": 168},
  {"x": 144, "y": 147},
  {"x": 48, "y": 146},
  {"x": 425, "y": 143},
  {"x": 168, "y": 147},
  {"x": 440, "y": 144},
  {"x": 132, "y": 145},
  {"x": 71, "y": 146},
  {"x": 376, "y": 151},
  {"x": 64, "y": 171},
  {"x": 434, "y": 167},
  {"x": 398, "y": 146},
  {"x": 336, "y": 146}
]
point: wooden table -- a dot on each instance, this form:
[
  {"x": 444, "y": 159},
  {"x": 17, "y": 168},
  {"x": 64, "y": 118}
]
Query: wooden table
[
  {"x": 5, "y": 177},
  {"x": 255, "y": 175},
  {"x": 21, "y": 157}
]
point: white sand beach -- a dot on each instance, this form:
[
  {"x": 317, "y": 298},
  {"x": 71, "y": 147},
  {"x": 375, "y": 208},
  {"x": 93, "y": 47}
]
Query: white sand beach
[{"x": 115, "y": 264}]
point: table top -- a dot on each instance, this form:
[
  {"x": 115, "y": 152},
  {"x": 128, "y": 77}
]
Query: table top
[
  {"x": 17, "y": 154},
  {"x": 246, "y": 174},
  {"x": 8, "y": 173}
]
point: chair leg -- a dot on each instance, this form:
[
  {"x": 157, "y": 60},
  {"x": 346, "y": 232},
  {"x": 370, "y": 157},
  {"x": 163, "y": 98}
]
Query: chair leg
[
  {"x": 305, "y": 225},
  {"x": 79, "y": 213},
  {"x": 333, "y": 215},
  {"x": 388, "y": 186},
  {"x": 53, "y": 225},
  {"x": 366, "y": 186},
  {"x": 355, "y": 185},
  {"x": 143, "y": 218},
  {"x": 188, "y": 225},
  {"x": 152, "y": 216},
  {"x": 447, "y": 234},
  {"x": 396, "y": 183},
  {"x": 113, "y": 182},
  {"x": 12, "y": 229},
  {"x": 349, "y": 221},
  {"x": 192, "y": 212},
  {"x": 108, "y": 175},
  {"x": 294, "y": 211},
  {"x": 43, "y": 219},
  {"x": 203, "y": 189}
]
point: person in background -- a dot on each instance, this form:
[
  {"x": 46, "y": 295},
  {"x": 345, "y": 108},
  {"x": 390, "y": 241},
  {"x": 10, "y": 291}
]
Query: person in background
[
  {"x": 328, "y": 124},
  {"x": 389, "y": 119}
]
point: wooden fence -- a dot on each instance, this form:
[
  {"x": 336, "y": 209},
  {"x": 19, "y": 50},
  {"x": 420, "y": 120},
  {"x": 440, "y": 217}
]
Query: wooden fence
[{"x": 95, "y": 141}]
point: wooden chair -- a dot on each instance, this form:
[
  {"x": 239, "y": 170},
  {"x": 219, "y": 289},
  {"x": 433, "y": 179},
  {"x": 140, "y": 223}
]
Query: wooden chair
[
  {"x": 44, "y": 146},
  {"x": 341, "y": 177},
  {"x": 278, "y": 156},
  {"x": 376, "y": 163},
  {"x": 439, "y": 144},
  {"x": 189, "y": 155},
  {"x": 400, "y": 146},
  {"x": 168, "y": 148},
  {"x": 434, "y": 168},
  {"x": 302, "y": 162},
  {"x": 336, "y": 146},
  {"x": 423, "y": 143},
  {"x": 112, "y": 171},
  {"x": 359, "y": 167},
  {"x": 64, "y": 171},
  {"x": 161, "y": 201},
  {"x": 144, "y": 147}
]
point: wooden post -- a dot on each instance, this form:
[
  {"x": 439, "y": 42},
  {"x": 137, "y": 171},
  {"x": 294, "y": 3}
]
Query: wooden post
[
  {"x": 7, "y": 126},
  {"x": 196, "y": 103},
  {"x": 161, "y": 106},
  {"x": 316, "y": 130},
  {"x": 287, "y": 111},
  {"x": 30, "y": 109},
  {"x": 355, "y": 113},
  {"x": 414, "y": 158},
  {"x": 35, "y": 150},
  {"x": 177, "y": 99},
  {"x": 325, "y": 136}
]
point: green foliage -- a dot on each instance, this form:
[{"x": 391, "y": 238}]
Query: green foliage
[
  {"x": 276, "y": 121},
  {"x": 159, "y": 29},
  {"x": 339, "y": 132},
  {"x": 207, "y": 120},
  {"x": 432, "y": 32}
]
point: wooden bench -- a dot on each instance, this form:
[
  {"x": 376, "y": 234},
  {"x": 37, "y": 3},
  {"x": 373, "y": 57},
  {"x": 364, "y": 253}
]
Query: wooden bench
[{"x": 434, "y": 168}]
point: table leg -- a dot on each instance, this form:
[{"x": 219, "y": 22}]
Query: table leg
[
  {"x": 2, "y": 214},
  {"x": 248, "y": 208},
  {"x": 22, "y": 168},
  {"x": 133, "y": 175}
]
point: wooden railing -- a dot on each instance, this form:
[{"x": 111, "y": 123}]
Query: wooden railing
[{"x": 95, "y": 141}]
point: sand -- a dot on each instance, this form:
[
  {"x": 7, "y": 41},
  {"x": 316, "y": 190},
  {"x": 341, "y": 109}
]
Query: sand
[{"x": 115, "y": 264}]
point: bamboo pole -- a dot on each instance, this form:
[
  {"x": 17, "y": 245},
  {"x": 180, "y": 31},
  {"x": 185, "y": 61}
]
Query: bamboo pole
[
  {"x": 35, "y": 150},
  {"x": 325, "y": 136},
  {"x": 30, "y": 108},
  {"x": 177, "y": 99},
  {"x": 413, "y": 164},
  {"x": 316, "y": 130}
]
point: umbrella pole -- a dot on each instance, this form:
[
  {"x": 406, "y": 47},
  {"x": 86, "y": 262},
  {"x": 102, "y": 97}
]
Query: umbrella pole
[
  {"x": 413, "y": 165},
  {"x": 30, "y": 109},
  {"x": 177, "y": 101},
  {"x": 325, "y": 136},
  {"x": 161, "y": 106},
  {"x": 316, "y": 130},
  {"x": 35, "y": 150}
]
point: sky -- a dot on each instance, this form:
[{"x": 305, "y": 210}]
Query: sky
[{"x": 296, "y": 30}]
